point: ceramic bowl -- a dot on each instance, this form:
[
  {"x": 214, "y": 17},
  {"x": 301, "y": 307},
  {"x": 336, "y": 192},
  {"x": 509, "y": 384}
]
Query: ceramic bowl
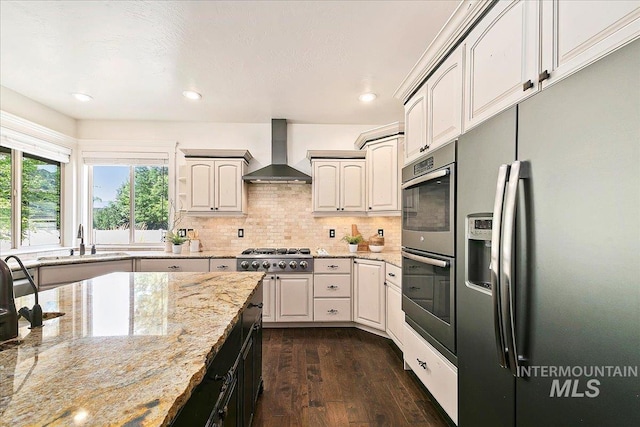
[{"x": 374, "y": 248}]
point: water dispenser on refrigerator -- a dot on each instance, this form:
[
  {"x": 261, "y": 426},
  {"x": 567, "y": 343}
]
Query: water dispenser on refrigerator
[{"x": 478, "y": 252}]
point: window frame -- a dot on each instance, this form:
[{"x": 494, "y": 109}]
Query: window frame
[
  {"x": 132, "y": 165},
  {"x": 17, "y": 157}
]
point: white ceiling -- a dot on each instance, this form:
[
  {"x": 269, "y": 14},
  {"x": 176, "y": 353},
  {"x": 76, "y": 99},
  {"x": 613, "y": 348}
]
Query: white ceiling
[{"x": 251, "y": 60}]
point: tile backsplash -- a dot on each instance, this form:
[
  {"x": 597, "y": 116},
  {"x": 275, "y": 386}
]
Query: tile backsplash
[{"x": 279, "y": 215}]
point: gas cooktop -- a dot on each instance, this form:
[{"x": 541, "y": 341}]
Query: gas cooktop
[{"x": 279, "y": 260}]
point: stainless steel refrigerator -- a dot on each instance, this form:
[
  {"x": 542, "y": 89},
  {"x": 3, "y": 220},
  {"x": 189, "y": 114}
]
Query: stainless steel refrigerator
[{"x": 556, "y": 288}]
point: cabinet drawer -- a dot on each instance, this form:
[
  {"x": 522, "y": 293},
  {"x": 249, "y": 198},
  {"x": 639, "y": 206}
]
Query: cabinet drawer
[
  {"x": 437, "y": 374},
  {"x": 174, "y": 265},
  {"x": 332, "y": 309},
  {"x": 332, "y": 285},
  {"x": 394, "y": 275},
  {"x": 222, "y": 264},
  {"x": 332, "y": 265}
]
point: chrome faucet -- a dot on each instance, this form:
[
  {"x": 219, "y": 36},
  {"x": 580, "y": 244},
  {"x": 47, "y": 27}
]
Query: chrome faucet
[{"x": 81, "y": 237}]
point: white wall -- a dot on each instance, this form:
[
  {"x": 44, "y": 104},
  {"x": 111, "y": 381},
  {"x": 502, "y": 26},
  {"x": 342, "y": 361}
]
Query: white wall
[
  {"x": 255, "y": 137},
  {"x": 28, "y": 109}
]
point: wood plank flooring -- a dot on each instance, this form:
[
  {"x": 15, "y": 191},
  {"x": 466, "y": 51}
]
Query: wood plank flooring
[{"x": 337, "y": 377}]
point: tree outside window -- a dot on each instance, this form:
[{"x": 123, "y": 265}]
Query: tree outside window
[{"x": 116, "y": 202}]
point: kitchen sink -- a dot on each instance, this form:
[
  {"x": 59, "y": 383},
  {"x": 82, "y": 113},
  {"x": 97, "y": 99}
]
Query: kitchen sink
[{"x": 86, "y": 256}]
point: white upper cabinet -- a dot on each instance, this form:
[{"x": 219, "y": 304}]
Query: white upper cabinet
[
  {"x": 444, "y": 96},
  {"x": 215, "y": 186},
  {"x": 383, "y": 176},
  {"x": 576, "y": 33},
  {"x": 415, "y": 125},
  {"x": 501, "y": 57},
  {"x": 339, "y": 185}
]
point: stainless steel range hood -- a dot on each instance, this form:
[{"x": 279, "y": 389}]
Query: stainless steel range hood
[{"x": 278, "y": 172}]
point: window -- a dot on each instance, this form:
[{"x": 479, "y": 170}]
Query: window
[
  {"x": 126, "y": 214},
  {"x": 34, "y": 183}
]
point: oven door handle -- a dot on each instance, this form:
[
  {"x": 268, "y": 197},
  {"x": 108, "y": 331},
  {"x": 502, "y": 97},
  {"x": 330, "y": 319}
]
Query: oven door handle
[
  {"x": 427, "y": 177},
  {"x": 426, "y": 260}
]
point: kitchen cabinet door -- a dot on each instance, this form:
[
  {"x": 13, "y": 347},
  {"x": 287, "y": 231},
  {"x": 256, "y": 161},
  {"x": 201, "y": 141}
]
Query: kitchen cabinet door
[
  {"x": 172, "y": 265},
  {"x": 501, "y": 60},
  {"x": 444, "y": 93},
  {"x": 223, "y": 265},
  {"x": 576, "y": 33},
  {"x": 415, "y": 125},
  {"x": 326, "y": 186},
  {"x": 228, "y": 185},
  {"x": 369, "y": 294},
  {"x": 294, "y": 298},
  {"x": 200, "y": 185},
  {"x": 395, "y": 315},
  {"x": 352, "y": 185},
  {"x": 269, "y": 299},
  {"x": 383, "y": 176}
]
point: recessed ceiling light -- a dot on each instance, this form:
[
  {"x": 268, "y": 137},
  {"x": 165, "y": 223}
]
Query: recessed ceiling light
[
  {"x": 367, "y": 97},
  {"x": 191, "y": 95},
  {"x": 82, "y": 97}
]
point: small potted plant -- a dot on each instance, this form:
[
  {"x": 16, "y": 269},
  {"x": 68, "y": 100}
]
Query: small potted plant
[
  {"x": 177, "y": 241},
  {"x": 353, "y": 242}
]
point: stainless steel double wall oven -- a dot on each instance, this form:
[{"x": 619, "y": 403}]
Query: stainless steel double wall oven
[{"x": 428, "y": 247}]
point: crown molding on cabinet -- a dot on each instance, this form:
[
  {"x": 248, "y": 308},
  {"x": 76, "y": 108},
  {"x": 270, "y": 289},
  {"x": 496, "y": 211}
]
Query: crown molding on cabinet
[
  {"x": 462, "y": 20},
  {"x": 392, "y": 129},
  {"x": 216, "y": 153},
  {"x": 335, "y": 154}
]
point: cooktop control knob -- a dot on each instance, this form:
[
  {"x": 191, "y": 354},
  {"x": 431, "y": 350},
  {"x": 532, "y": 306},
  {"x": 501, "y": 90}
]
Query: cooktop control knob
[
  {"x": 304, "y": 265},
  {"x": 244, "y": 265},
  {"x": 255, "y": 265},
  {"x": 266, "y": 265},
  {"x": 293, "y": 265},
  {"x": 282, "y": 265}
]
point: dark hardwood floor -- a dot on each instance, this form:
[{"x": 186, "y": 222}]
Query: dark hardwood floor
[{"x": 337, "y": 377}]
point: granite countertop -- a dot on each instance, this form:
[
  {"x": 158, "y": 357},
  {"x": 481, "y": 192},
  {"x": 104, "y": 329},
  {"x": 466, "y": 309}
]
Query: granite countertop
[
  {"x": 130, "y": 348},
  {"x": 392, "y": 257}
]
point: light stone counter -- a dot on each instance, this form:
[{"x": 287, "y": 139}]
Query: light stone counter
[
  {"x": 392, "y": 257},
  {"x": 129, "y": 350}
]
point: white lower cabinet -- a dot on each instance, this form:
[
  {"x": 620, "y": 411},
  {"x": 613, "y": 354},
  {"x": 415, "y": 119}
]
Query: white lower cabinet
[
  {"x": 269, "y": 298},
  {"x": 222, "y": 264},
  {"x": 173, "y": 265},
  {"x": 332, "y": 290},
  {"x": 437, "y": 373},
  {"x": 49, "y": 276},
  {"x": 369, "y": 293},
  {"x": 294, "y": 297},
  {"x": 332, "y": 309},
  {"x": 395, "y": 315}
]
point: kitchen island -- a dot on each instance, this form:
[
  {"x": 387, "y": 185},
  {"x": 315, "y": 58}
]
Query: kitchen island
[{"x": 130, "y": 349}]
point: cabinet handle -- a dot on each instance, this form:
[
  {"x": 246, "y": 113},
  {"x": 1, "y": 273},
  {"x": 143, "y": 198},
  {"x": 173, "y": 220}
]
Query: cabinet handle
[
  {"x": 332, "y": 266},
  {"x": 255, "y": 305},
  {"x": 222, "y": 267},
  {"x": 413, "y": 288},
  {"x": 173, "y": 267},
  {"x": 527, "y": 85},
  {"x": 392, "y": 274},
  {"x": 332, "y": 311},
  {"x": 332, "y": 287},
  {"x": 256, "y": 327},
  {"x": 543, "y": 76},
  {"x": 422, "y": 364}
]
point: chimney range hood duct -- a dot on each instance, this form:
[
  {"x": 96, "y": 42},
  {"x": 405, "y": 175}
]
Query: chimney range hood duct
[{"x": 279, "y": 172}]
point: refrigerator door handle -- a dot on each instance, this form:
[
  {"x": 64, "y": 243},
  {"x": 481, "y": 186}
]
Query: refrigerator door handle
[
  {"x": 518, "y": 170},
  {"x": 495, "y": 263}
]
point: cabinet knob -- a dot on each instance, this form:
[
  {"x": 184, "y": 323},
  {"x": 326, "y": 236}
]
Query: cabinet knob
[
  {"x": 369, "y": 207},
  {"x": 543, "y": 76},
  {"x": 337, "y": 209},
  {"x": 392, "y": 274},
  {"x": 211, "y": 208},
  {"x": 341, "y": 209},
  {"x": 527, "y": 85}
]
